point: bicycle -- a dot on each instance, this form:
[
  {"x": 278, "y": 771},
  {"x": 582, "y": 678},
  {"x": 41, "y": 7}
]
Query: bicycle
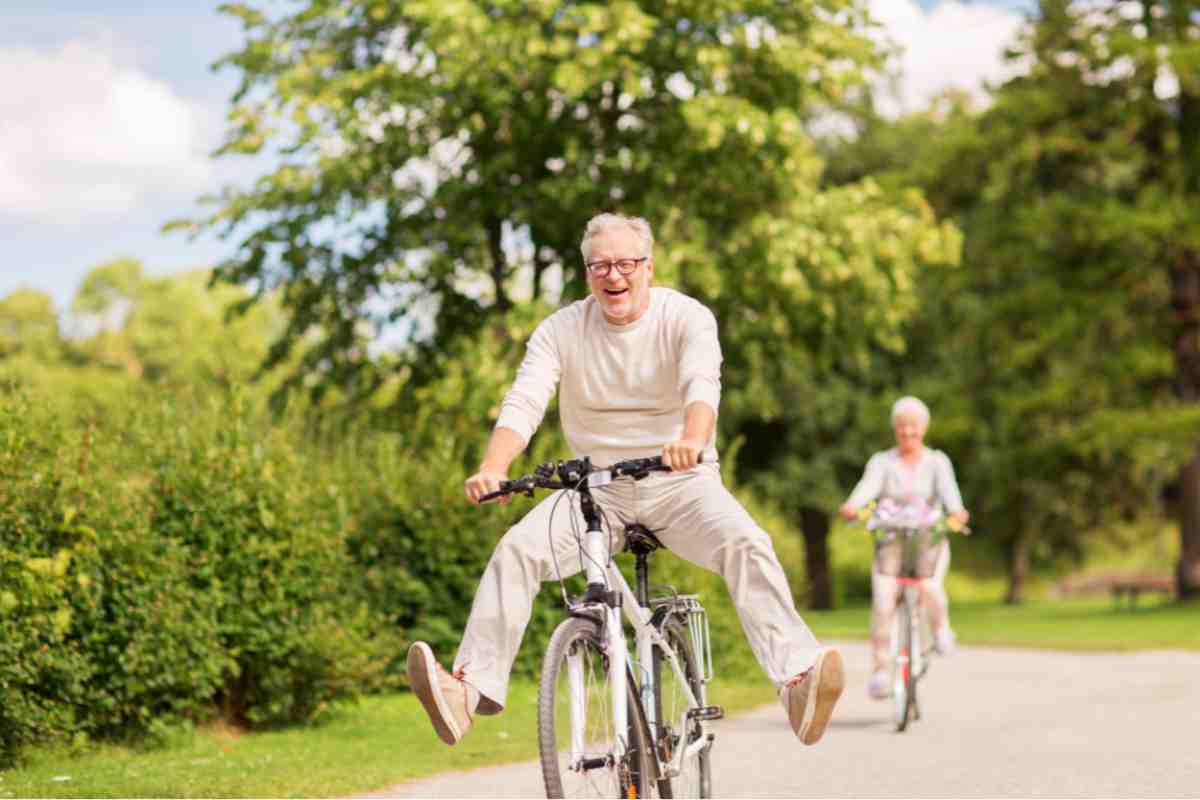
[
  {"x": 907, "y": 548},
  {"x": 611, "y": 724}
]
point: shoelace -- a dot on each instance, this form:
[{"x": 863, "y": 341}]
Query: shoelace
[
  {"x": 797, "y": 678},
  {"x": 460, "y": 675}
]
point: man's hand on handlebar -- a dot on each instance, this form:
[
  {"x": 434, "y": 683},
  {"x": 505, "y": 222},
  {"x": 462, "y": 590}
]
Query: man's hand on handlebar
[
  {"x": 485, "y": 482},
  {"x": 683, "y": 454}
]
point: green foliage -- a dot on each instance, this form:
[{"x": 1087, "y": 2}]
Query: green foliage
[
  {"x": 428, "y": 183},
  {"x": 29, "y": 326},
  {"x": 42, "y": 673},
  {"x": 184, "y": 560},
  {"x": 1048, "y": 358},
  {"x": 235, "y": 495}
]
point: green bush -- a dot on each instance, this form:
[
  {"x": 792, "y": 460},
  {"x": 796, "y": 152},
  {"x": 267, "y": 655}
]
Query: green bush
[
  {"x": 177, "y": 562},
  {"x": 246, "y": 505},
  {"x": 43, "y": 672}
]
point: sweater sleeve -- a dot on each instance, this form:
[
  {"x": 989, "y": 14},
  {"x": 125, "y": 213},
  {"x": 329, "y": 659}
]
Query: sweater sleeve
[
  {"x": 525, "y": 403},
  {"x": 700, "y": 358},
  {"x": 947, "y": 485},
  {"x": 871, "y": 484}
]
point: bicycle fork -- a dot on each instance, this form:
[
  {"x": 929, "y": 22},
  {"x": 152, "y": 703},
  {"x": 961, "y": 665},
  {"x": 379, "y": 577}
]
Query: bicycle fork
[{"x": 595, "y": 563}]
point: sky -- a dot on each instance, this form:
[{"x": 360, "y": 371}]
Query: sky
[{"x": 109, "y": 112}]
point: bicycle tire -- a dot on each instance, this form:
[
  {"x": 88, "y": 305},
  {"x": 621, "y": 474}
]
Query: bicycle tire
[
  {"x": 902, "y": 682},
  {"x": 695, "y": 778},
  {"x": 581, "y": 638}
]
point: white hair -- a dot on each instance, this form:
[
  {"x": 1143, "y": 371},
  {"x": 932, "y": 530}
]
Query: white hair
[
  {"x": 910, "y": 405},
  {"x": 602, "y": 222}
]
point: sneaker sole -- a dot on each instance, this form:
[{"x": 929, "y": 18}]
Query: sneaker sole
[
  {"x": 831, "y": 680},
  {"x": 422, "y": 679}
]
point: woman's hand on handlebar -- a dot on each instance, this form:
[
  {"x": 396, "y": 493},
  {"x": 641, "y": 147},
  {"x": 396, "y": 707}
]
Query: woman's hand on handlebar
[
  {"x": 484, "y": 482},
  {"x": 683, "y": 454},
  {"x": 849, "y": 512}
]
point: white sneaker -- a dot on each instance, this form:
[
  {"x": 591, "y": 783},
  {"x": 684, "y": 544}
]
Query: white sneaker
[
  {"x": 944, "y": 641},
  {"x": 879, "y": 687}
]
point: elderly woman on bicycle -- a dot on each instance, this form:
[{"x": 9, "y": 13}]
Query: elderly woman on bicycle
[{"x": 908, "y": 474}]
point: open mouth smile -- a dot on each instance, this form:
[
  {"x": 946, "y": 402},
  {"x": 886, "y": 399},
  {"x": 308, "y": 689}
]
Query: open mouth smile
[{"x": 615, "y": 292}]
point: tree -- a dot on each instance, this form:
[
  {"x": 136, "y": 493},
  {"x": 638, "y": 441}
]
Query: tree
[
  {"x": 428, "y": 182},
  {"x": 806, "y": 328},
  {"x": 429, "y": 185},
  {"x": 171, "y": 330},
  {"x": 29, "y": 326},
  {"x": 1055, "y": 351}
]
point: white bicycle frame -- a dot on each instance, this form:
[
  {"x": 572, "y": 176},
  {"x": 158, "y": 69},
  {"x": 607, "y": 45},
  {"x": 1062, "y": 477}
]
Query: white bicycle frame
[{"x": 646, "y": 636}]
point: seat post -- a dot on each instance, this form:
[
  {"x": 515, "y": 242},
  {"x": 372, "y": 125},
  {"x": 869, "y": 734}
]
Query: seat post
[{"x": 641, "y": 570}]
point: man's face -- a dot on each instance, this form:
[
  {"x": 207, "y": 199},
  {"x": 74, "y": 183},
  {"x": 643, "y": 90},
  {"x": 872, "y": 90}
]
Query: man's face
[{"x": 622, "y": 298}]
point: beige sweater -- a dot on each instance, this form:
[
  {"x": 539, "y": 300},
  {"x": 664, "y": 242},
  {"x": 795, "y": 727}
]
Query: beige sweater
[{"x": 622, "y": 389}]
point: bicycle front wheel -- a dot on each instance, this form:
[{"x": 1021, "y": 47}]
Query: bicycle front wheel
[
  {"x": 577, "y": 738},
  {"x": 673, "y": 731}
]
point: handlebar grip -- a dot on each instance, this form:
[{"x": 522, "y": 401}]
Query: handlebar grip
[
  {"x": 506, "y": 488},
  {"x": 699, "y": 460}
]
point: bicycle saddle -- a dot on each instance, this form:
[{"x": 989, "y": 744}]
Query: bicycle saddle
[{"x": 640, "y": 540}]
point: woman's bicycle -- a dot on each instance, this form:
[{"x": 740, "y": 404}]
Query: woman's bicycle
[
  {"x": 907, "y": 547},
  {"x": 615, "y": 723}
]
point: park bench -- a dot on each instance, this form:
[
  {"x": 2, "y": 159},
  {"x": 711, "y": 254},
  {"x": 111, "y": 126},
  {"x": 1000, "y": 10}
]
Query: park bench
[{"x": 1125, "y": 588}]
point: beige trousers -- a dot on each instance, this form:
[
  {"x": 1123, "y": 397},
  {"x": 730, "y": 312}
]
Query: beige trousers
[
  {"x": 692, "y": 514},
  {"x": 885, "y": 590}
]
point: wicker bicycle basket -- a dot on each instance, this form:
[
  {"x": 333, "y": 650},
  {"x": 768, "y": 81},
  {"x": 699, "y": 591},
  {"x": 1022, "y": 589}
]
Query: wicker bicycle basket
[{"x": 907, "y": 551}]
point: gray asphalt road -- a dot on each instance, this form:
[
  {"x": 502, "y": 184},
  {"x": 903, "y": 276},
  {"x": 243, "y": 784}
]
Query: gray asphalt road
[{"x": 996, "y": 723}]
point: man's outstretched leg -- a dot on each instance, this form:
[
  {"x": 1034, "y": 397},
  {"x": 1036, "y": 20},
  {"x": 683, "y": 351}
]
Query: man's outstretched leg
[
  {"x": 706, "y": 524},
  {"x": 522, "y": 561}
]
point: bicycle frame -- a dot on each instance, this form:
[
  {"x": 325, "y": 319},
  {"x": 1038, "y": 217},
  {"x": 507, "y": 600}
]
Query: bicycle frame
[
  {"x": 601, "y": 572},
  {"x": 652, "y": 622}
]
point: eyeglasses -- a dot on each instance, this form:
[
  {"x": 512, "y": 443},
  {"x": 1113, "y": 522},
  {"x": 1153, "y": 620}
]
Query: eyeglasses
[{"x": 625, "y": 266}]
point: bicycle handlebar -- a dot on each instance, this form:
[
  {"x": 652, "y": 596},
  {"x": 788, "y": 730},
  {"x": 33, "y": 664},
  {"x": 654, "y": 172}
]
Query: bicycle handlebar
[{"x": 570, "y": 474}]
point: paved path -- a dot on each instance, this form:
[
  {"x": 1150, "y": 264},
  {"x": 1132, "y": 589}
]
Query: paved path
[{"x": 996, "y": 723}]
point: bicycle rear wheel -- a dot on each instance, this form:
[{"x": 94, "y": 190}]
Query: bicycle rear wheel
[
  {"x": 903, "y": 685},
  {"x": 577, "y": 739},
  {"x": 672, "y": 729}
]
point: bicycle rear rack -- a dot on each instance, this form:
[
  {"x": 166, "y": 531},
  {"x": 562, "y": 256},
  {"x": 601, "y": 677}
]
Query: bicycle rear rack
[
  {"x": 701, "y": 640},
  {"x": 690, "y": 607}
]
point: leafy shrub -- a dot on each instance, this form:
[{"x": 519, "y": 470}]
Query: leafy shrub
[
  {"x": 42, "y": 671},
  {"x": 241, "y": 500}
]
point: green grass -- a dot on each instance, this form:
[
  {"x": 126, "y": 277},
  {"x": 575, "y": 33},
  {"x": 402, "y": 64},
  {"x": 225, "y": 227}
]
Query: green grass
[
  {"x": 1082, "y": 624},
  {"x": 386, "y": 740},
  {"x": 367, "y": 746}
]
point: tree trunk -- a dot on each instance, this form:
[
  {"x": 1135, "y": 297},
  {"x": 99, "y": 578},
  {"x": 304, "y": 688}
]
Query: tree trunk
[
  {"x": 1187, "y": 571},
  {"x": 1018, "y": 570},
  {"x": 815, "y": 525},
  {"x": 495, "y": 236},
  {"x": 1185, "y": 303}
]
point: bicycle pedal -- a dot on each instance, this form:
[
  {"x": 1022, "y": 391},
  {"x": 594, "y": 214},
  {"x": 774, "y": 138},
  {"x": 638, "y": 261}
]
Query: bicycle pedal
[{"x": 706, "y": 713}]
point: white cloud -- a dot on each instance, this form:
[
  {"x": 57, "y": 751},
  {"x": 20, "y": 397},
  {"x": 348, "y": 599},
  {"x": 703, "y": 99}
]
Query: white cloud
[
  {"x": 953, "y": 45},
  {"x": 85, "y": 136}
]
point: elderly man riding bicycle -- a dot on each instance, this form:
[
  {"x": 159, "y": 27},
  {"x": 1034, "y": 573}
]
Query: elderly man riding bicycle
[{"x": 638, "y": 374}]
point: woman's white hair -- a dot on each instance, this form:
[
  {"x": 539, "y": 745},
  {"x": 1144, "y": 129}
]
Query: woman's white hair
[
  {"x": 602, "y": 222},
  {"x": 910, "y": 405}
]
